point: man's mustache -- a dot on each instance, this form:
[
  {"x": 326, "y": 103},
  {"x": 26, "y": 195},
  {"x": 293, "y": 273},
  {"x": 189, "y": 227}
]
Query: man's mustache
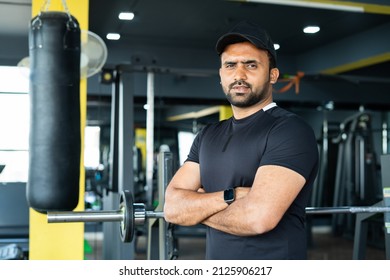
[{"x": 239, "y": 83}]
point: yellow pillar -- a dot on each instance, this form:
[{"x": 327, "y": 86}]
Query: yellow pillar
[
  {"x": 140, "y": 142},
  {"x": 225, "y": 112},
  {"x": 62, "y": 241}
]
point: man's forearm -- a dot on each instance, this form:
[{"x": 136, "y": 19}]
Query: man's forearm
[
  {"x": 238, "y": 219},
  {"x": 228, "y": 222},
  {"x": 187, "y": 208}
]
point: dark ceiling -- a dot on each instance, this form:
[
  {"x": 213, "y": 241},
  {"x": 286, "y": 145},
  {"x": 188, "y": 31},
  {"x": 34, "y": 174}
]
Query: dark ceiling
[{"x": 196, "y": 24}]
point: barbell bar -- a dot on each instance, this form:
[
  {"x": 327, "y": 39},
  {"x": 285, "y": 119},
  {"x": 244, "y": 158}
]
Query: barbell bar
[
  {"x": 129, "y": 215},
  {"x": 102, "y": 216},
  {"x": 132, "y": 214},
  {"x": 347, "y": 210}
]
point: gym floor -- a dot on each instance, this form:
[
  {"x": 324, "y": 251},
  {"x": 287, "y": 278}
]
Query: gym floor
[{"x": 324, "y": 246}]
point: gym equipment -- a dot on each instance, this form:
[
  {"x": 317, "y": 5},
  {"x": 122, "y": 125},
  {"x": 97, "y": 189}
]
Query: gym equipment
[
  {"x": 356, "y": 180},
  {"x": 347, "y": 210},
  {"x": 129, "y": 215},
  {"x": 162, "y": 243},
  {"x": 11, "y": 252},
  {"x": 55, "y": 134}
]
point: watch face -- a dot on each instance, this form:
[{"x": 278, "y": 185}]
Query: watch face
[{"x": 228, "y": 195}]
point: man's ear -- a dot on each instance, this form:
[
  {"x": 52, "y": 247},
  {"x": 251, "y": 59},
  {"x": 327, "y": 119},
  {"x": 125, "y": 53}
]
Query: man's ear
[{"x": 274, "y": 75}]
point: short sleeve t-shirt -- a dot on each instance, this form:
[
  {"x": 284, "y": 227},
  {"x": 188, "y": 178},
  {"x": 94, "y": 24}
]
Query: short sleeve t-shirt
[{"x": 229, "y": 154}]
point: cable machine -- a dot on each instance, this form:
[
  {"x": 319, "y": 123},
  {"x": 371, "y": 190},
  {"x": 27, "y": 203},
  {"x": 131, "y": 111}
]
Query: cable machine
[{"x": 356, "y": 180}]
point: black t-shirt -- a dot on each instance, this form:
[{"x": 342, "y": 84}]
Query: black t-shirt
[{"x": 229, "y": 154}]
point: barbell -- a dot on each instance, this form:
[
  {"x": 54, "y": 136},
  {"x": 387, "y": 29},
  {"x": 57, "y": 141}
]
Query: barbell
[
  {"x": 129, "y": 215},
  {"x": 132, "y": 214}
]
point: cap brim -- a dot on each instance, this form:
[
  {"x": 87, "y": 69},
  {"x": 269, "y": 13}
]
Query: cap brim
[
  {"x": 228, "y": 39},
  {"x": 233, "y": 38}
]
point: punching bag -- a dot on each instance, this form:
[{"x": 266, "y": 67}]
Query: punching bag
[{"x": 55, "y": 136}]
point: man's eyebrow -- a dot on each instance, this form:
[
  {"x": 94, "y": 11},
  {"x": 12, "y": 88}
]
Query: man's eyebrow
[
  {"x": 230, "y": 62},
  {"x": 249, "y": 61}
]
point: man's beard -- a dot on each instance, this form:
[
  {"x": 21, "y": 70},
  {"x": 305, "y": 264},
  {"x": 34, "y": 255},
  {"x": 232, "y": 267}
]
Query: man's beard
[{"x": 251, "y": 99}]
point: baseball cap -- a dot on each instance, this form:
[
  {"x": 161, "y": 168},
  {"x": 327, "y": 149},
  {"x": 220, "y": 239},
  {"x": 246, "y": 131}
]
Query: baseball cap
[{"x": 247, "y": 31}]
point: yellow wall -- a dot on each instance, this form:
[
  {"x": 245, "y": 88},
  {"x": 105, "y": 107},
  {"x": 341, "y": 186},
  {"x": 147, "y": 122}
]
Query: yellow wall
[
  {"x": 140, "y": 142},
  {"x": 225, "y": 112}
]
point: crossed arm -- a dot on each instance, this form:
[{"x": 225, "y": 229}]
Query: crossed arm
[{"x": 256, "y": 210}]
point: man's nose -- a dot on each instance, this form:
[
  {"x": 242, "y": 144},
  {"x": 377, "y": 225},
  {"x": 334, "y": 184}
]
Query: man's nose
[{"x": 240, "y": 73}]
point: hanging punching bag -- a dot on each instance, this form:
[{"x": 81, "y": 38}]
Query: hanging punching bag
[{"x": 55, "y": 137}]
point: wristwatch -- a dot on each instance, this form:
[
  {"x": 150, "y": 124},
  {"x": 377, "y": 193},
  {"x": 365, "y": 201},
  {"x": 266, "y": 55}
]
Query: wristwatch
[{"x": 228, "y": 195}]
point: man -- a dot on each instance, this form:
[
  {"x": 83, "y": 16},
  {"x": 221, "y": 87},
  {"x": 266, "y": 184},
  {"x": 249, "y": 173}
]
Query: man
[{"x": 248, "y": 178}]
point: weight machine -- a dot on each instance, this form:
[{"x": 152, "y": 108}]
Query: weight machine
[{"x": 356, "y": 180}]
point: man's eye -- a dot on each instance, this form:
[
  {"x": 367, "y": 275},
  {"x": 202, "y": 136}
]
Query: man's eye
[
  {"x": 230, "y": 65},
  {"x": 251, "y": 65}
]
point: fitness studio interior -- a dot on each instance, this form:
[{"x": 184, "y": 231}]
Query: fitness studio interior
[{"x": 84, "y": 164}]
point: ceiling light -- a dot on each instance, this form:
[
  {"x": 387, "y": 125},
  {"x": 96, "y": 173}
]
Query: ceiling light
[
  {"x": 113, "y": 36},
  {"x": 311, "y": 29},
  {"x": 276, "y": 46},
  {"x": 126, "y": 16}
]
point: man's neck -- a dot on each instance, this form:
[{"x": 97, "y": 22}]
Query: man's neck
[{"x": 240, "y": 113}]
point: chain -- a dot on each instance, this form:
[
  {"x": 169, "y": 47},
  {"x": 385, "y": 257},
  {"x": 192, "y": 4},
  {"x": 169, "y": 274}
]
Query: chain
[
  {"x": 68, "y": 13},
  {"x": 46, "y": 5}
]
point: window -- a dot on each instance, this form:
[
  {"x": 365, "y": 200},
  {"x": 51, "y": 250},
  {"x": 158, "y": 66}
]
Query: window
[
  {"x": 14, "y": 124},
  {"x": 92, "y": 147},
  {"x": 185, "y": 141}
]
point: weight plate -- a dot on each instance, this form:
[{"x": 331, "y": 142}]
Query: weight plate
[{"x": 127, "y": 228}]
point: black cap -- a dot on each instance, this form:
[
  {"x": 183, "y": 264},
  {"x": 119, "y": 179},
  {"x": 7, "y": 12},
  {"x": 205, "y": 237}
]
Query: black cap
[{"x": 247, "y": 31}]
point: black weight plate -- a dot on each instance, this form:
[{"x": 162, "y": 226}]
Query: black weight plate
[{"x": 127, "y": 228}]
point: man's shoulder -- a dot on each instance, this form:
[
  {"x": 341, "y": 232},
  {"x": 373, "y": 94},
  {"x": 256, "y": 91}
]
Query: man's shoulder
[
  {"x": 288, "y": 120},
  {"x": 279, "y": 112},
  {"x": 286, "y": 115}
]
